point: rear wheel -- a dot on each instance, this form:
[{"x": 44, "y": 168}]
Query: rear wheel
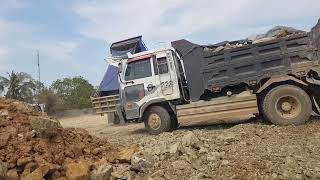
[
  {"x": 287, "y": 105},
  {"x": 157, "y": 120},
  {"x": 113, "y": 118}
]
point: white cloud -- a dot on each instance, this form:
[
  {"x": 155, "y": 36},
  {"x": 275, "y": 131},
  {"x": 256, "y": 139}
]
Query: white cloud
[
  {"x": 58, "y": 51},
  {"x": 7, "y": 28},
  {"x": 10, "y": 31},
  {"x": 4, "y": 55},
  {"x": 8, "y": 5},
  {"x": 154, "y": 19},
  {"x": 4, "y": 52},
  {"x": 165, "y": 20},
  {"x": 16, "y": 35}
]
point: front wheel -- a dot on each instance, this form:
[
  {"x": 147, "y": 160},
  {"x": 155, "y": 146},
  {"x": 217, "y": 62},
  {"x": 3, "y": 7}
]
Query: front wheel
[
  {"x": 287, "y": 105},
  {"x": 157, "y": 120}
]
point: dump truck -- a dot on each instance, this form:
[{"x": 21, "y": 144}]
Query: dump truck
[{"x": 187, "y": 84}]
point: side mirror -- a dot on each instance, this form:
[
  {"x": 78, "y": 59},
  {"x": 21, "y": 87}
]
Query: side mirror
[{"x": 120, "y": 67}]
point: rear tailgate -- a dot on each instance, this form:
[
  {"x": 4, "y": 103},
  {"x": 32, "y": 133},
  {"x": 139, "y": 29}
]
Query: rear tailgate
[{"x": 105, "y": 104}]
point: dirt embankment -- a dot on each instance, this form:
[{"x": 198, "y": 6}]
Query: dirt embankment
[{"x": 35, "y": 146}]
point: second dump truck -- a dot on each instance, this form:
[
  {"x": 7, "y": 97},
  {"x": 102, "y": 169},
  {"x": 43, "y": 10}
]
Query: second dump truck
[{"x": 277, "y": 79}]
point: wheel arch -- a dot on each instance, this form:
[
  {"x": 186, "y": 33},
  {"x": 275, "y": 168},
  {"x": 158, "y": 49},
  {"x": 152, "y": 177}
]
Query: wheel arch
[
  {"x": 157, "y": 102},
  {"x": 281, "y": 80}
]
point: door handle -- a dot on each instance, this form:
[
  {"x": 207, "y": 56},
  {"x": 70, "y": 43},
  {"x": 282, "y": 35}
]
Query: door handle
[
  {"x": 129, "y": 82},
  {"x": 150, "y": 87}
]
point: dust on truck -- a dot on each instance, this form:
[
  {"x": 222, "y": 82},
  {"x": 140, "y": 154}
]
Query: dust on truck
[{"x": 189, "y": 83}]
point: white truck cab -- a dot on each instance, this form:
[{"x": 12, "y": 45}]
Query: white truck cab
[{"x": 149, "y": 78}]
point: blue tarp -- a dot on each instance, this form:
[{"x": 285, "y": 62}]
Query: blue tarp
[
  {"x": 110, "y": 80},
  {"x": 132, "y": 45}
]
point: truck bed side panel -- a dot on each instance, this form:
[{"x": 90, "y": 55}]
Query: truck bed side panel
[
  {"x": 208, "y": 70},
  {"x": 220, "y": 110}
]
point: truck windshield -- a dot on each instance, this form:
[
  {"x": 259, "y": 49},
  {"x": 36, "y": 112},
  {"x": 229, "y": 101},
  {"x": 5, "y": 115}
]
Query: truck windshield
[{"x": 138, "y": 69}]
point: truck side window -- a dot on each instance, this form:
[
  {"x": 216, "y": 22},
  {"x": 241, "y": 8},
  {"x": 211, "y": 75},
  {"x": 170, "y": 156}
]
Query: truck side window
[
  {"x": 138, "y": 69},
  {"x": 134, "y": 93},
  {"x": 162, "y": 64}
]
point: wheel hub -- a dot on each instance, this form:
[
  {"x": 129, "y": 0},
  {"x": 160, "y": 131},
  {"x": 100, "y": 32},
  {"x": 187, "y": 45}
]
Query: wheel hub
[
  {"x": 154, "y": 121},
  {"x": 288, "y": 107}
]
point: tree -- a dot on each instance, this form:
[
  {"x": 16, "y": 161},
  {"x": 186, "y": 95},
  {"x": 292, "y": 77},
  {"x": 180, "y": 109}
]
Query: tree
[
  {"x": 74, "y": 92},
  {"x": 18, "y": 86}
]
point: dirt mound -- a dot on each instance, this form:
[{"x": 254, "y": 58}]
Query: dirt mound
[{"x": 35, "y": 146}]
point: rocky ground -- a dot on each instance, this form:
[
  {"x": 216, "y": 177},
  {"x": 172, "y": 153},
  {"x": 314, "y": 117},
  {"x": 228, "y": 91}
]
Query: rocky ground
[
  {"x": 34, "y": 146},
  {"x": 252, "y": 150}
]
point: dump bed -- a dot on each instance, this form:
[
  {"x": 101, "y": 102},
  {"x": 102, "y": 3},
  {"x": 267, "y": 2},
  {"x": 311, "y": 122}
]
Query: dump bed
[{"x": 251, "y": 63}]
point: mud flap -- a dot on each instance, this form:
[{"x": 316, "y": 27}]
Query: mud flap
[{"x": 120, "y": 115}]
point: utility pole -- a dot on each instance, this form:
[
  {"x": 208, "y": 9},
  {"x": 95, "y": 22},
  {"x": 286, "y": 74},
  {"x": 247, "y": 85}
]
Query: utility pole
[{"x": 39, "y": 77}]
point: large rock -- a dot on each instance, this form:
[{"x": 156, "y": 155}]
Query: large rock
[
  {"x": 12, "y": 174},
  {"x": 44, "y": 126},
  {"x": 214, "y": 156},
  {"x": 180, "y": 165},
  {"x": 24, "y": 160},
  {"x": 142, "y": 162},
  {"x": 77, "y": 171},
  {"x": 189, "y": 139},
  {"x": 281, "y": 31},
  {"x": 102, "y": 172},
  {"x": 4, "y": 138},
  {"x": 126, "y": 154},
  {"x": 37, "y": 174},
  {"x": 122, "y": 171},
  {"x": 3, "y": 169},
  {"x": 4, "y": 113},
  {"x": 176, "y": 148},
  {"x": 77, "y": 149}
]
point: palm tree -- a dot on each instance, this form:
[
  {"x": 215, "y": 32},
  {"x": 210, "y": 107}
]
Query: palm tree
[{"x": 18, "y": 86}]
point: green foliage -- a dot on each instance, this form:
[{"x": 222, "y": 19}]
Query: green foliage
[
  {"x": 18, "y": 86},
  {"x": 64, "y": 94},
  {"x": 74, "y": 92}
]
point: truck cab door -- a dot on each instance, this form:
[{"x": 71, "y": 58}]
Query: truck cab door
[
  {"x": 166, "y": 75},
  {"x": 139, "y": 85}
]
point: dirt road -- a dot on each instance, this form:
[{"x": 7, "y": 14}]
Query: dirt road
[
  {"x": 98, "y": 126},
  {"x": 245, "y": 151}
]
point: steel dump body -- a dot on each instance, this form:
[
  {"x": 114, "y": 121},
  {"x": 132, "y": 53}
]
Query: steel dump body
[{"x": 248, "y": 64}]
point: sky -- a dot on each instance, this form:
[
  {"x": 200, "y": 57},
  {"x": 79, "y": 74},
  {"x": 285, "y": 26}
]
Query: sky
[{"x": 73, "y": 37}]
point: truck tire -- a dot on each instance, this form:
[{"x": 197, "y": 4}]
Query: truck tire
[
  {"x": 157, "y": 120},
  {"x": 287, "y": 105},
  {"x": 113, "y": 118},
  {"x": 116, "y": 119},
  {"x": 174, "y": 124}
]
